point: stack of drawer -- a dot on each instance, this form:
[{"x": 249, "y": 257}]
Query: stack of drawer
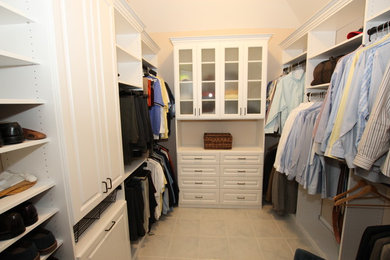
[{"x": 220, "y": 178}]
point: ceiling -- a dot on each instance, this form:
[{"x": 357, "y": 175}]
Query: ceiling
[{"x": 196, "y": 15}]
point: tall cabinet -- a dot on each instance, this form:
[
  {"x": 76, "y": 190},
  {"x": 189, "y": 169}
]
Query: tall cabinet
[
  {"x": 220, "y": 86},
  {"x": 60, "y": 65},
  {"x": 321, "y": 37}
]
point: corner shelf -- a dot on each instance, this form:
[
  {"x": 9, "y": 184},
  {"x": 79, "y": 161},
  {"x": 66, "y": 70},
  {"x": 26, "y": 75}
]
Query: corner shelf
[
  {"x": 381, "y": 16},
  {"x": 25, "y": 144},
  {"x": 125, "y": 56},
  {"x": 21, "y": 102},
  {"x": 11, "y": 15},
  {"x": 9, "y": 59},
  {"x": 341, "y": 48},
  {"x": 129, "y": 169},
  {"x": 43, "y": 215},
  {"x": 11, "y": 201}
]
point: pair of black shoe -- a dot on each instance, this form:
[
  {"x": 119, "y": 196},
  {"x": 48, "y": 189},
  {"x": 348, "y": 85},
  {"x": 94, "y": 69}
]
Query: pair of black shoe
[
  {"x": 11, "y": 133},
  {"x": 40, "y": 242},
  {"x": 15, "y": 221}
]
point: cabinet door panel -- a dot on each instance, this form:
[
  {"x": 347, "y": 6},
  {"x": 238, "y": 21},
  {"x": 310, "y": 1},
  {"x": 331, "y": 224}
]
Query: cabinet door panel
[
  {"x": 185, "y": 80},
  {"x": 231, "y": 81},
  {"x": 208, "y": 75},
  {"x": 254, "y": 81}
]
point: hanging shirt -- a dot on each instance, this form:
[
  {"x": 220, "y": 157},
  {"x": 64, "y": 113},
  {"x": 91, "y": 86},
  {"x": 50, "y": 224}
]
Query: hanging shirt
[
  {"x": 159, "y": 181},
  {"x": 164, "y": 110},
  {"x": 155, "y": 110},
  {"x": 288, "y": 95}
]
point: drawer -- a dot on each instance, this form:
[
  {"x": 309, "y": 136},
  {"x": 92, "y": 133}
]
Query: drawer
[
  {"x": 199, "y": 183},
  {"x": 243, "y": 183},
  {"x": 240, "y": 197},
  {"x": 199, "y": 197},
  {"x": 242, "y": 158},
  {"x": 197, "y": 171},
  {"x": 198, "y": 158},
  {"x": 242, "y": 170}
]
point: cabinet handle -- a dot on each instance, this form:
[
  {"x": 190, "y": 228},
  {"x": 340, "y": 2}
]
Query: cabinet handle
[
  {"x": 240, "y": 197},
  {"x": 198, "y": 158},
  {"x": 106, "y": 186},
  {"x": 112, "y": 225},
  {"x": 244, "y": 111},
  {"x": 198, "y": 171},
  {"x": 240, "y": 183},
  {"x": 194, "y": 111},
  {"x": 241, "y": 158},
  {"x": 198, "y": 111},
  {"x": 198, "y": 182},
  {"x": 241, "y": 171},
  {"x": 110, "y": 181},
  {"x": 198, "y": 197},
  {"x": 240, "y": 111}
]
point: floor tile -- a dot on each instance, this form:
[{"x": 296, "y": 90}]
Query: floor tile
[
  {"x": 213, "y": 248},
  {"x": 277, "y": 249},
  {"x": 289, "y": 228},
  {"x": 213, "y": 228},
  {"x": 265, "y": 228},
  {"x": 244, "y": 249},
  {"x": 211, "y": 214},
  {"x": 262, "y": 214},
  {"x": 239, "y": 228},
  {"x": 186, "y": 227},
  {"x": 155, "y": 245},
  {"x": 303, "y": 243},
  {"x": 184, "y": 246},
  {"x": 233, "y": 214},
  {"x": 164, "y": 226},
  {"x": 187, "y": 213}
]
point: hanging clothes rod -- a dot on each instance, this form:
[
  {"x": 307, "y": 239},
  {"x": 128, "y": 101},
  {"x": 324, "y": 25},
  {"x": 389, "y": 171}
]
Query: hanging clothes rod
[
  {"x": 290, "y": 67},
  {"x": 377, "y": 29}
]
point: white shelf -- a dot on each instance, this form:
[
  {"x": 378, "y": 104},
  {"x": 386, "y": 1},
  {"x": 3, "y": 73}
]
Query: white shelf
[
  {"x": 59, "y": 244},
  {"x": 208, "y": 100},
  {"x": 230, "y": 99},
  {"x": 43, "y": 215},
  {"x": 124, "y": 56},
  {"x": 185, "y": 63},
  {"x": 186, "y": 82},
  {"x": 148, "y": 63},
  {"x": 25, "y": 144},
  {"x": 129, "y": 169},
  {"x": 21, "y": 102},
  {"x": 208, "y": 81},
  {"x": 254, "y": 99},
  {"x": 254, "y": 80},
  {"x": 254, "y": 61},
  {"x": 341, "y": 48},
  {"x": 231, "y": 62},
  {"x": 298, "y": 58},
  {"x": 11, "y": 201},
  {"x": 9, "y": 59},
  {"x": 381, "y": 16},
  {"x": 11, "y": 15},
  {"x": 186, "y": 100},
  {"x": 320, "y": 86},
  {"x": 130, "y": 84},
  {"x": 208, "y": 62},
  {"x": 233, "y": 150}
]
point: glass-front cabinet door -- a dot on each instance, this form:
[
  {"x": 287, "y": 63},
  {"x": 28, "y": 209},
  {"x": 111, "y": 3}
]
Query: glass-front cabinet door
[
  {"x": 208, "y": 82},
  {"x": 231, "y": 82},
  {"x": 254, "y": 81},
  {"x": 187, "y": 97}
]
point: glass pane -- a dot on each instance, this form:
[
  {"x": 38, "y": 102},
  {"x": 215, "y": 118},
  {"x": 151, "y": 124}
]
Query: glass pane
[
  {"x": 208, "y": 71},
  {"x": 231, "y": 107},
  {"x": 208, "y": 90},
  {"x": 208, "y": 107},
  {"x": 231, "y": 71},
  {"x": 186, "y": 108},
  {"x": 231, "y": 90},
  {"x": 254, "y": 106},
  {"x": 254, "y": 70},
  {"x": 186, "y": 91},
  {"x": 254, "y": 89},
  {"x": 185, "y": 72},
  {"x": 231, "y": 54},
  {"x": 208, "y": 55},
  {"x": 185, "y": 56},
  {"x": 255, "y": 53}
]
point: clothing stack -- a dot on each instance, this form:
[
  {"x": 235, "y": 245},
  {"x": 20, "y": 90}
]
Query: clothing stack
[{"x": 375, "y": 243}]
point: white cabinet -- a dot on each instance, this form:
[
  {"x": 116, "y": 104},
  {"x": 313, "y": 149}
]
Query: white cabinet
[
  {"x": 220, "y": 77},
  {"x": 111, "y": 240}
]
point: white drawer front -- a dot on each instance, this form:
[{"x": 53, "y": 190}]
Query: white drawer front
[
  {"x": 241, "y": 183},
  {"x": 246, "y": 158},
  {"x": 199, "y": 183},
  {"x": 240, "y": 197},
  {"x": 199, "y": 197},
  {"x": 248, "y": 171},
  {"x": 197, "y": 171},
  {"x": 196, "y": 159}
]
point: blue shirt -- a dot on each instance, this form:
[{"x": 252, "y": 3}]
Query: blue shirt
[{"x": 155, "y": 110}]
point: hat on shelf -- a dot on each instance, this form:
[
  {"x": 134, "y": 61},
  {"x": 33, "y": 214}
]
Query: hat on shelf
[{"x": 354, "y": 33}]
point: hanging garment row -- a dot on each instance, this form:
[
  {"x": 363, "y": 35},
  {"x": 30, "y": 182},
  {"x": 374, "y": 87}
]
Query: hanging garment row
[{"x": 150, "y": 191}]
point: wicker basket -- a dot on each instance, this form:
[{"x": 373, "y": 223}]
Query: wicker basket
[{"x": 217, "y": 141}]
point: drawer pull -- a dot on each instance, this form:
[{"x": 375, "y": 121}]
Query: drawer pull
[
  {"x": 198, "y": 171},
  {"x": 240, "y": 183},
  {"x": 198, "y": 158},
  {"x": 240, "y": 197},
  {"x": 241, "y": 158},
  {"x": 112, "y": 225},
  {"x": 241, "y": 171},
  {"x": 198, "y": 197},
  {"x": 198, "y": 182}
]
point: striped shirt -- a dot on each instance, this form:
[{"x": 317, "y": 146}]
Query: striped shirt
[{"x": 375, "y": 140}]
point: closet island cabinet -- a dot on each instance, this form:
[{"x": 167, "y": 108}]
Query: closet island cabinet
[{"x": 220, "y": 76}]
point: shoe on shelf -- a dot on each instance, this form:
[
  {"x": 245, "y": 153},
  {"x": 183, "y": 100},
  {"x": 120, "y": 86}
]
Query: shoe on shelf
[
  {"x": 11, "y": 132},
  {"x": 21, "y": 250},
  {"x": 32, "y": 134},
  {"x": 44, "y": 240},
  {"x": 28, "y": 212},
  {"x": 11, "y": 225}
]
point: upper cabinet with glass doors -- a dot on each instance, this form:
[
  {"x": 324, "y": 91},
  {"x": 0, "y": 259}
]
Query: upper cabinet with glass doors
[{"x": 220, "y": 77}]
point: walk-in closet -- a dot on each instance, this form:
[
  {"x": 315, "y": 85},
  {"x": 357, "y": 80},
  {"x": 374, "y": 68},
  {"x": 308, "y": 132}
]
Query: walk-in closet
[{"x": 179, "y": 130}]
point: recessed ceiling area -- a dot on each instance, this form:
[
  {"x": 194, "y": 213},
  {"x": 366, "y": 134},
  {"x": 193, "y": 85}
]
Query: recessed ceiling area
[{"x": 195, "y": 15}]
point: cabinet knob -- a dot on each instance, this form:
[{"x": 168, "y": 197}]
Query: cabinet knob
[
  {"x": 106, "y": 186},
  {"x": 198, "y": 182},
  {"x": 198, "y": 197},
  {"x": 198, "y": 158},
  {"x": 241, "y": 171},
  {"x": 198, "y": 171},
  {"x": 241, "y": 158},
  {"x": 112, "y": 225},
  {"x": 240, "y": 183},
  {"x": 240, "y": 197},
  {"x": 110, "y": 181}
]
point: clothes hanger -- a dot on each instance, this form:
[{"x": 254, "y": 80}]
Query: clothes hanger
[
  {"x": 365, "y": 190},
  {"x": 358, "y": 185}
]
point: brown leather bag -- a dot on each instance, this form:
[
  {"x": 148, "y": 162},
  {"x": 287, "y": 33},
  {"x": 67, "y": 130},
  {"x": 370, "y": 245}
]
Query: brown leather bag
[{"x": 323, "y": 71}]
